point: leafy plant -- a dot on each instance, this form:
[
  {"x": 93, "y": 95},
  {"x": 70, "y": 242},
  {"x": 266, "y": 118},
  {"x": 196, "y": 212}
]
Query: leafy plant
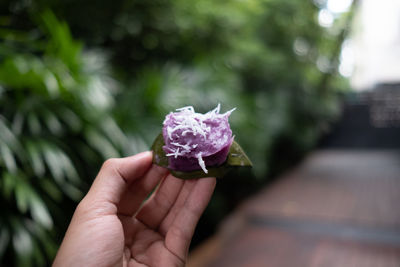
[{"x": 55, "y": 130}]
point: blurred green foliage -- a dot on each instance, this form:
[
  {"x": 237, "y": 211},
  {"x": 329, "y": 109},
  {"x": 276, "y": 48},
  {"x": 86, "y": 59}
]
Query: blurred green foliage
[
  {"x": 67, "y": 105},
  {"x": 55, "y": 130}
]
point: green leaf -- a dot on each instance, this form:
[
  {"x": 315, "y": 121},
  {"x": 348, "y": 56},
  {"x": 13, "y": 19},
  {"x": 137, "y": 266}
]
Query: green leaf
[
  {"x": 9, "y": 182},
  {"x": 113, "y": 132},
  {"x": 159, "y": 156},
  {"x": 53, "y": 162},
  {"x": 101, "y": 143},
  {"x": 7, "y": 157},
  {"x": 22, "y": 194},
  {"x": 51, "y": 189},
  {"x": 35, "y": 158},
  {"x": 39, "y": 211},
  {"x": 52, "y": 122},
  {"x": 236, "y": 158},
  {"x": 70, "y": 118},
  {"x": 67, "y": 166},
  {"x": 42, "y": 236},
  {"x": 72, "y": 191},
  {"x": 34, "y": 123},
  {"x": 8, "y": 137},
  {"x": 23, "y": 245}
]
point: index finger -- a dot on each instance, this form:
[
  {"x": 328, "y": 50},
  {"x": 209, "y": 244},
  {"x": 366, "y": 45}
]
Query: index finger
[
  {"x": 180, "y": 231},
  {"x": 116, "y": 175}
]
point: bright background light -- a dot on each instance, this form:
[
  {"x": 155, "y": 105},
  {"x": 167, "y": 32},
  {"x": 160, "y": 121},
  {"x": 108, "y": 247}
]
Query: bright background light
[
  {"x": 376, "y": 44},
  {"x": 325, "y": 18},
  {"x": 346, "y": 66},
  {"x": 339, "y": 6}
]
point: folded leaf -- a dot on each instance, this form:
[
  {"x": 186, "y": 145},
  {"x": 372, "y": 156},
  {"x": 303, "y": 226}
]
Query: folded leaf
[{"x": 236, "y": 158}]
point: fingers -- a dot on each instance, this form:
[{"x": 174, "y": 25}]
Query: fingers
[
  {"x": 157, "y": 207},
  {"x": 180, "y": 232},
  {"x": 139, "y": 189},
  {"x": 177, "y": 206},
  {"x": 115, "y": 176}
]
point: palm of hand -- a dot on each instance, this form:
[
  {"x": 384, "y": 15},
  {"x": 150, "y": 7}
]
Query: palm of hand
[
  {"x": 125, "y": 241},
  {"x": 112, "y": 226},
  {"x": 145, "y": 246}
]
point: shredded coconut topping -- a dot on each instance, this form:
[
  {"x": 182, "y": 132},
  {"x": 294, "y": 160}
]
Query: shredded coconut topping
[
  {"x": 201, "y": 163},
  {"x": 190, "y": 122}
]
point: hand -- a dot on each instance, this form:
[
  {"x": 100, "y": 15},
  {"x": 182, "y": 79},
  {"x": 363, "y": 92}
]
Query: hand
[{"x": 113, "y": 227}]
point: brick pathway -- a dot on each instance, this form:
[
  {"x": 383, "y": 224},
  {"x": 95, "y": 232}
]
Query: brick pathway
[{"x": 339, "y": 208}]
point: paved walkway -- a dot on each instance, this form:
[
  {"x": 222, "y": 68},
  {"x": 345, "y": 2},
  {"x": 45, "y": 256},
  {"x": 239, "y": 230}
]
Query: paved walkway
[{"x": 338, "y": 208}]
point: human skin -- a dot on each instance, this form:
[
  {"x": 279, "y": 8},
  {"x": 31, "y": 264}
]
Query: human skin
[{"x": 114, "y": 224}]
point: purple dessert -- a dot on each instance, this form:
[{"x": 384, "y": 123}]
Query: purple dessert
[{"x": 195, "y": 141}]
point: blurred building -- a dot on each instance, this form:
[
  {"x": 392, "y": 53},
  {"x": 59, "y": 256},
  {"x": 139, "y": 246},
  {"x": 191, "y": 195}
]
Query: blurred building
[{"x": 371, "y": 59}]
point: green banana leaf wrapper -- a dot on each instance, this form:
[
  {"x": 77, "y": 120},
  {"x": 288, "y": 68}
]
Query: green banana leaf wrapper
[{"x": 236, "y": 159}]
